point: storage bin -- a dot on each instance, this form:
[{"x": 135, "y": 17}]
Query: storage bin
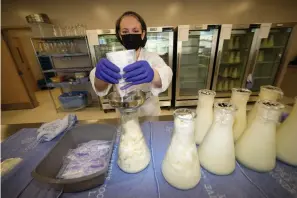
[
  {"x": 74, "y": 99},
  {"x": 47, "y": 170}
]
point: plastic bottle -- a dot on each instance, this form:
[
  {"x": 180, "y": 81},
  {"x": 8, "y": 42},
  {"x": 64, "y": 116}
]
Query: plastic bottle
[
  {"x": 230, "y": 44},
  {"x": 286, "y": 137},
  {"x": 239, "y": 98},
  {"x": 230, "y": 71},
  {"x": 270, "y": 42},
  {"x": 231, "y": 57},
  {"x": 204, "y": 113},
  {"x": 236, "y": 45},
  {"x": 134, "y": 155},
  {"x": 256, "y": 148},
  {"x": 225, "y": 72},
  {"x": 181, "y": 167},
  {"x": 261, "y": 56},
  {"x": 226, "y": 85},
  {"x": 231, "y": 84},
  {"x": 219, "y": 86},
  {"x": 235, "y": 73},
  {"x": 216, "y": 152},
  {"x": 267, "y": 92},
  {"x": 237, "y": 57}
]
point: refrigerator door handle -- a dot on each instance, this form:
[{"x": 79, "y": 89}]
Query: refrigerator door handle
[
  {"x": 219, "y": 62},
  {"x": 177, "y": 77},
  {"x": 217, "y": 69}
]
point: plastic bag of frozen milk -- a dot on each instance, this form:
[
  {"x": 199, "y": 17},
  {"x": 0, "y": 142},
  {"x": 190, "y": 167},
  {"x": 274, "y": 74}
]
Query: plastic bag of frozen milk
[{"x": 122, "y": 59}]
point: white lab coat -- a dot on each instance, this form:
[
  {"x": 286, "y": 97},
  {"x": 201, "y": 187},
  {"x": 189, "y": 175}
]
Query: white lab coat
[{"x": 151, "y": 107}]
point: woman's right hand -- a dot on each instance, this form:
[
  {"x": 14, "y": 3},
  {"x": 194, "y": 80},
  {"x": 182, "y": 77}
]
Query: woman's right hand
[{"x": 107, "y": 71}]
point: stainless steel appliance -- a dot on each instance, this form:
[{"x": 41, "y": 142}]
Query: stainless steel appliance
[
  {"x": 159, "y": 40},
  {"x": 235, "y": 48},
  {"x": 268, "y": 56},
  {"x": 196, "y": 47}
]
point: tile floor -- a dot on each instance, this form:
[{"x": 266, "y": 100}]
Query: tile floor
[{"x": 46, "y": 112}]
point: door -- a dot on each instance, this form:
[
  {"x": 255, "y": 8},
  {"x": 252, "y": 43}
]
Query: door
[
  {"x": 268, "y": 57},
  {"x": 23, "y": 67},
  {"x": 234, "y": 50},
  {"x": 15, "y": 94},
  {"x": 196, "y": 50},
  {"x": 100, "y": 43},
  {"x": 160, "y": 41}
]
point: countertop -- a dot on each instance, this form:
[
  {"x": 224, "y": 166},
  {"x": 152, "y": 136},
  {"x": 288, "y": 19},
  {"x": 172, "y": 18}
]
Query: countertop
[{"x": 9, "y": 129}]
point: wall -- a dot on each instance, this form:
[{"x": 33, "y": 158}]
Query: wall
[
  {"x": 12, "y": 87},
  {"x": 103, "y": 13}
]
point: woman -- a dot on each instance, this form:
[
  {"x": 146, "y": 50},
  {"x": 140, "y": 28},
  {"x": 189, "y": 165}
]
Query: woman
[{"x": 148, "y": 73}]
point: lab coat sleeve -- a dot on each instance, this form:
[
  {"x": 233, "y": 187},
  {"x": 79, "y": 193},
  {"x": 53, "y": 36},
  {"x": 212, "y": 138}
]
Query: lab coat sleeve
[
  {"x": 165, "y": 73},
  {"x": 92, "y": 79}
]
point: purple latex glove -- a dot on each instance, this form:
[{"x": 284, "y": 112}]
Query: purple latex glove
[
  {"x": 138, "y": 73},
  {"x": 107, "y": 71}
]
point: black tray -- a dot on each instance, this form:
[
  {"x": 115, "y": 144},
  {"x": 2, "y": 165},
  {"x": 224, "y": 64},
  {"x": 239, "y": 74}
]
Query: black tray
[{"x": 47, "y": 170}]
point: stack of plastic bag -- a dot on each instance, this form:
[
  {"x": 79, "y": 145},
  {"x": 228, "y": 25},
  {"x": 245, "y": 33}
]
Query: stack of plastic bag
[{"x": 87, "y": 159}]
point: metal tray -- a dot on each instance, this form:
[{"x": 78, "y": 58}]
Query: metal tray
[{"x": 47, "y": 170}]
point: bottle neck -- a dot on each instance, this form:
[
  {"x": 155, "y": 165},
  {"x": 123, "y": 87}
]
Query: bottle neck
[
  {"x": 267, "y": 114},
  {"x": 267, "y": 94},
  {"x": 205, "y": 100},
  {"x": 239, "y": 99},
  {"x": 184, "y": 130},
  {"x": 222, "y": 116}
]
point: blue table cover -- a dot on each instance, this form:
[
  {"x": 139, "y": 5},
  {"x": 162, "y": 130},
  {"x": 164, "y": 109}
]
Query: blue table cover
[{"x": 150, "y": 183}]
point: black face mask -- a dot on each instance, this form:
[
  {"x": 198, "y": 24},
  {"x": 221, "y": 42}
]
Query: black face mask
[{"x": 132, "y": 41}]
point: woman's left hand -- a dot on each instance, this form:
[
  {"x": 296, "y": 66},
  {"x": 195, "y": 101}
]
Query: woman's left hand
[{"x": 138, "y": 73}]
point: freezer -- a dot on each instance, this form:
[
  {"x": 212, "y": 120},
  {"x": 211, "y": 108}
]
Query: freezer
[
  {"x": 196, "y": 47},
  {"x": 236, "y": 44},
  {"x": 267, "y": 63}
]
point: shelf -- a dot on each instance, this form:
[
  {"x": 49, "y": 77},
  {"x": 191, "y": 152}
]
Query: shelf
[
  {"x": 187, "y": 66},
  {"x": 229, "y": 77},
  {"x": 235, "y": 49},
  {"x": 201, "y": 55},
  {"x": 65, "y": 84},
  {"x": 93, "y": 105},
  {"x": 61, "y": 37},
  {"x": 80, "y": 69},
  {"x": 63, "y": 55},
  {"x": 272, "y": 47},
  {"x": 266, "y": 62},
  {"x": 226, "y": 63},
  {"x": 264, "y": 77}
]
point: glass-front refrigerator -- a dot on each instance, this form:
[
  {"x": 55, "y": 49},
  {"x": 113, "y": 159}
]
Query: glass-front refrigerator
[
  {"x": 196, "y": 47},
  {"x": 268, "y": 56},
  {"x": 236, "y": 44},
  {"x": 159, "y": 40},
  {"x": 102, "y": 41}
]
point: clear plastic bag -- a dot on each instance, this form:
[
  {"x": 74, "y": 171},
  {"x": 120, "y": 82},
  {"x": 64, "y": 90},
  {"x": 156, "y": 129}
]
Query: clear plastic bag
[{"x": 86, "y": 159}]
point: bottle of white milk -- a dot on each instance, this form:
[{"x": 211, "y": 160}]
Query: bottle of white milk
[
  {"x": 256, "y": 148},
  {"x": 286, "y": 138},
  {"x": 216, "y": 153},
  {"x": 134, "y": 154},
  {"x": 239, "y": 98},
  {"x": 181, "y": 167},
  {"x": 267, "y": 92},
  {"x": 204, "y": 113}
]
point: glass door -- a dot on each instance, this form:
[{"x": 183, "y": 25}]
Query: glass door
[
  {"x": 269, "y": 56},
  {"x": 234, "y": 50},
  {"x": 195, "y": 62},
  {"x": 162, "y": 44},
  {"x": 107, "y": 43}
]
